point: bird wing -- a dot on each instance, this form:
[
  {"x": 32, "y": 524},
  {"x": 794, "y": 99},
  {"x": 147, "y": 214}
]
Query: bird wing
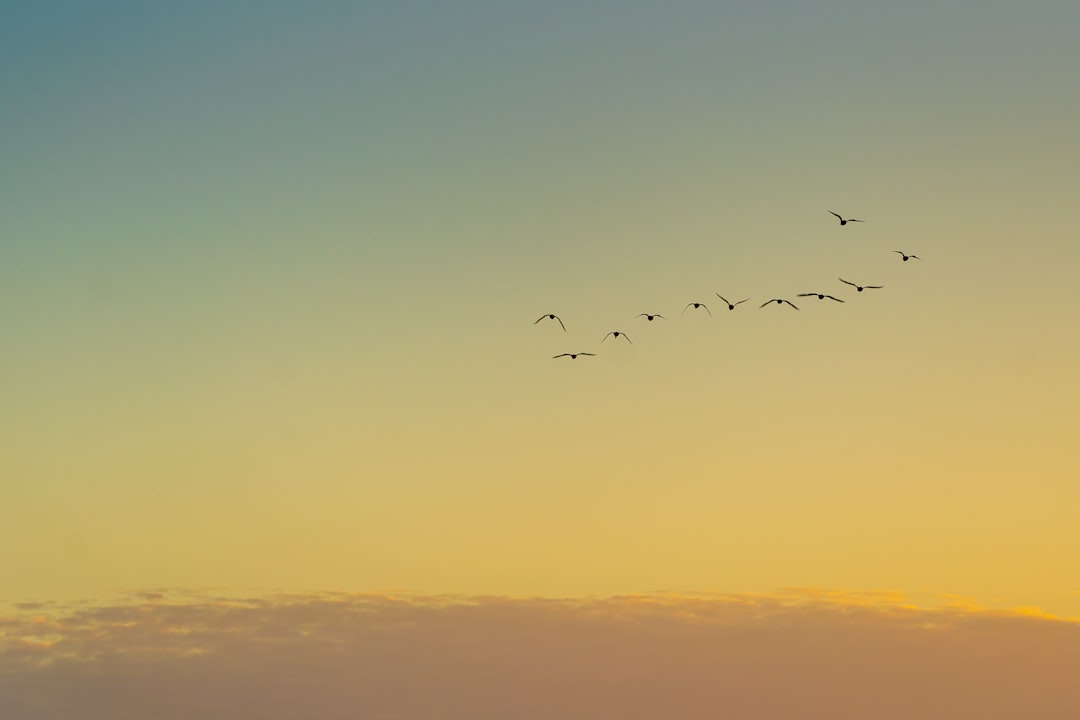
[
  {"x": 706, "y": 308},
  {"x": 766, "y": 303},
  {"x": 837, "y": 216},
  {"x": 915, "y": 256},
  {"x": 742, "y": 301},
  {"x": 834, "y": 298},
  {"x": 792, "y": 304},
  {"x": 540, "y": 318},
  {"x": 559, "y": 356},
  {"x": 606, "y": 337},
  {"x": 560, "y": 322},
  {"x": 589, "y": 354},
  {"x": 687, "y": 307},
  {"x": 807, "y": 294},
  {"x": 660, "y": 316},
  {"x": 873, "y": 287},
  {"x": 854, "y": 220},
  {"x": 628, "y": 338},
  {"x": 901, "y": 252},
  {"x": 848, "y": 282},
  {"x": 722, "y": 298}
]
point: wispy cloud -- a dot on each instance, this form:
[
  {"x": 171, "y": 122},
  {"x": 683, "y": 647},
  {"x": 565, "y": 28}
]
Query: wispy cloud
[{"x": 804, "y": 653}]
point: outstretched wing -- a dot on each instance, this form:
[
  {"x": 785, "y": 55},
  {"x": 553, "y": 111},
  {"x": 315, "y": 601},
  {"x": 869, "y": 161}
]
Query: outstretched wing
[
  {"x": 742, "y": 301},
  {"x": 848, "y": 282},
  {"x": 766, "y": 303},
  {"x": 722, "y": 298},
  {"x": 873, "y": 287},
  {"x": 834, "y": 298},
  {"x": 560, "y": 323},
  {"x": 837, "y": 216},
  {"x": 791, "y": 304}
]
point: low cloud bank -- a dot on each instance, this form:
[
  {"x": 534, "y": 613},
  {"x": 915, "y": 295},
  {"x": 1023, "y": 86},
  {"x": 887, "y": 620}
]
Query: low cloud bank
[{"x": 795, "y": 654}]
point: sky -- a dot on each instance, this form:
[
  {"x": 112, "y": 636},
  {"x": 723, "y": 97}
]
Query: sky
[{"x": 269, "y": 274}]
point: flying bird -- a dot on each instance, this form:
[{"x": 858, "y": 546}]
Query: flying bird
[
  {"x": 616, "y": 334},
  {"x": 820, "y": 296},
  {"x": 730, "y": 305},
  {"x": 572, "y": 356},
  {"x": 550, "y": 316},
  {"x": 649, "y": 317},
  {"x": 845, "y": 221},
  {"x": 906, "y": 257},
  {"x": 696, "y": 306},
  {"x": 860, "y": 288},
  {"x": 778, "y": 301}
]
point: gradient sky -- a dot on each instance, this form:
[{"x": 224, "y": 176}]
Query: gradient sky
[{"x": 269, "y": 271}]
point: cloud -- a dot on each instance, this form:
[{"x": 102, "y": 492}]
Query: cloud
[{"x": 803, "y": 653}]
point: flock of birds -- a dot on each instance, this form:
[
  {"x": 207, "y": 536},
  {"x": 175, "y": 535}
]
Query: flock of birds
[{"x": 616, "y": 334}]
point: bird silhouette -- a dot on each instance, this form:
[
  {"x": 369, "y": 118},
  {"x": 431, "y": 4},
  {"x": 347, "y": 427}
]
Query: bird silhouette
[
  {"x": 696, "y": 306},
  {"x": 860, "y": 288},
  {"x": 572, "y": 356},
  {"x": 844, "y": 221},
  {"x": 616, "y": 334},
  {"x": 820, "y": 296},
  {"x": 906, "y": 257},
  {"x": 550, "y": 316},
  {"x": 730, "y": 305},
  {"x": 649, "y": 317},
  {"x": 778, "y": 301}
]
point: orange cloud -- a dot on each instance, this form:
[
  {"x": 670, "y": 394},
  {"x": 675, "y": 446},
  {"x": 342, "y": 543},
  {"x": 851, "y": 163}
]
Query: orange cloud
[{"x": 804, "y": 653}]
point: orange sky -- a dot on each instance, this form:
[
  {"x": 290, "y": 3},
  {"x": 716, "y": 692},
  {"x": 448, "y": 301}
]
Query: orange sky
[{"x": 268, "y": 282}]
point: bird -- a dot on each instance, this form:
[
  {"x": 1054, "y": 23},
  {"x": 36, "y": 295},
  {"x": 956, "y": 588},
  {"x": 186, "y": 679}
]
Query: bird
[
  {"x": 730, "y": 305},
  {"x": 696, "y": 306},
  {"x": 778, "y": 301},
  {"x": 820, "y": 296},
  {"x": 649, "y": 317},
  {"x": 572, "y": 356},
  {"x": 617, "y": 333},
  {"x": 860, "y": 288},
  {"x": 843, "y": 221},
  {"x": 550, "y": 316},
  {"x": 906, "y": 257}
]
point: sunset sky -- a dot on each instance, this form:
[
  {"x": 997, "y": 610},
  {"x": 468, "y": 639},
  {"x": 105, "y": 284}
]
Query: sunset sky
[{"x": 269, "y": 273}]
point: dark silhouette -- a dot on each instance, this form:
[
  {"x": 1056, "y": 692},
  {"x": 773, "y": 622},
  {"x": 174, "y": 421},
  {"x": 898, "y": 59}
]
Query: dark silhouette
[
  {"x": 696, "y": 306},
  {"x": 820, "y": 296},
  {"x": 778, "y": 301},
  {"x": 860, "y": 288},
  {"x": 843, "y": 221},
  {"x": 550, "y": 316},
  {"x": 572, "y": 356},
  {"x": 617, "y": 333},
  {"x": 649, "y": 317},
  {"x": 906, "y": 257},
  {"x": 730, "y": 305}
]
